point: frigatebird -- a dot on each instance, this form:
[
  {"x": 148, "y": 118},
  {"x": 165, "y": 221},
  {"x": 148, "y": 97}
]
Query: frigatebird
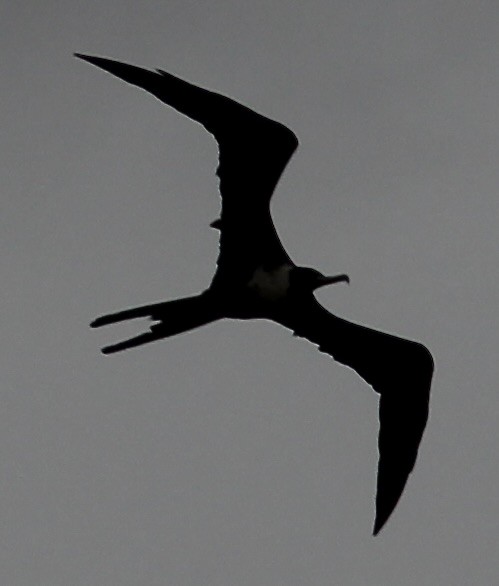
[{"x": 256, "y": 279}]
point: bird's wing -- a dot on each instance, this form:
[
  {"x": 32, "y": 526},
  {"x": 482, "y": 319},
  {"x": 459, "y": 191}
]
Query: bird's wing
[
  {"x": 399, "y": 370},
  {"x": 253, "y": 152}
]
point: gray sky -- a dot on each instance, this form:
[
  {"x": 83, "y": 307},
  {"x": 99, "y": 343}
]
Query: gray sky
[{"x": 237, "y": 455}]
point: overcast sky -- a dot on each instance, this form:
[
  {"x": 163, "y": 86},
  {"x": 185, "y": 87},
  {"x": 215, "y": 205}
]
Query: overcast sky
[{"x": 237, "y": 455}]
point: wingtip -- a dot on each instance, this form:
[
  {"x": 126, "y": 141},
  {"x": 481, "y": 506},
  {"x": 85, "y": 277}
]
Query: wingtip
[
  {"x": 381, "y": 519},
  {"x": 389, "y": 492},
  {"x": 378, "y": 525},
  {"x": 82, "y": 56},
  {"x": 97, "y": 61}
]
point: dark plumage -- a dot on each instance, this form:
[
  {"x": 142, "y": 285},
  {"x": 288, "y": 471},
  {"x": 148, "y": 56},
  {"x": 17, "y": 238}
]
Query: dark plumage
[{"x": 255, "y": 277}]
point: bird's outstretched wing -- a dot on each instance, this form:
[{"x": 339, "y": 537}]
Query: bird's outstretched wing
[
  {"x": 253, "y": 152},
  {"x": 399, "y": 370}
]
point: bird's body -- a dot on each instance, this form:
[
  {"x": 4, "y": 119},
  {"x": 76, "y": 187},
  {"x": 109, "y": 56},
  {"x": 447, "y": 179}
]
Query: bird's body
[
  {"x": 273, "y": 284},
  {"x": 256, "y": 278}
]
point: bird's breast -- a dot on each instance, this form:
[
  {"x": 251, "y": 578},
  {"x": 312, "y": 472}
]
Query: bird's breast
[{"x": 271, "y": 284}]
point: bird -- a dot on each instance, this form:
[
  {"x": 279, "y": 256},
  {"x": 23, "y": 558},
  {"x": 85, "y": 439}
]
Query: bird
[{"x": 255, "y": 277}]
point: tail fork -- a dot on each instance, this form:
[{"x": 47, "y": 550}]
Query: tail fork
[{"x": 174, "y": 317}]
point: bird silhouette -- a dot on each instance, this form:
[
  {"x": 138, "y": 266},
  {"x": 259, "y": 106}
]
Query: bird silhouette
[{"x": 256, "y": 279}]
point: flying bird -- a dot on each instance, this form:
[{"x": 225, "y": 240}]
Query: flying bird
[{"x": 255, "y": 277}]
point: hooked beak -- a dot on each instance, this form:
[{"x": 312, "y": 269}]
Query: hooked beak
[{"x": 331, "y": 280}]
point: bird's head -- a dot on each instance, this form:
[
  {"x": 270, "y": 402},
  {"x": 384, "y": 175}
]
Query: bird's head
[{"x": 305, "y": 279}]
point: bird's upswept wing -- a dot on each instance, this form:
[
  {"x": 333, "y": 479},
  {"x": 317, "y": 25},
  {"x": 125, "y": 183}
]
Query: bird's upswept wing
[
  {"x": 253, "y": 152},
  {"x": 399, "y": 370}
]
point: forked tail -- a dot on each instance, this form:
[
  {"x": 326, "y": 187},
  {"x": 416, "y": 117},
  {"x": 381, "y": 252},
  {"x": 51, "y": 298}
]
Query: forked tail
[{"x": 173, "y": 317}]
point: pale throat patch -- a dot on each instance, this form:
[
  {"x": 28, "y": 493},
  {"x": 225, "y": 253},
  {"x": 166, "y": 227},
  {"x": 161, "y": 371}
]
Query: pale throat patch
[{"x": 273, "y": 284}]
